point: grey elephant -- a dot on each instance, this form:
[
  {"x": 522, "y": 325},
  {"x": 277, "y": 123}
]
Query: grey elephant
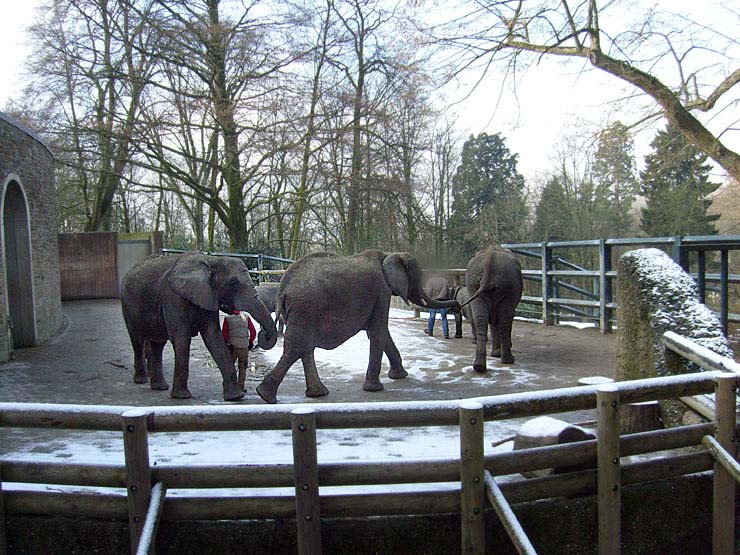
[
  {"x": 494, "y": 283},
  {"x": 326, "y": 299},
  {"x": 268, "y": 294},
  {"x": 174, "y": 298},
  {"x": 461, "y": 295}
]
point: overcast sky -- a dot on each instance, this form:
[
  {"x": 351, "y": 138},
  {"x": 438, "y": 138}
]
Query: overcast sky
[{"x": 551, "y": 98}]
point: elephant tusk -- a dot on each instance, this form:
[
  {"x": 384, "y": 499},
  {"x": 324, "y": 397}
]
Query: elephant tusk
[{"x": 424, "y": 302}]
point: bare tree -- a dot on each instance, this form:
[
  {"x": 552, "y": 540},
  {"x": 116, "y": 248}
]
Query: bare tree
[{"x": 683, "y": 66}]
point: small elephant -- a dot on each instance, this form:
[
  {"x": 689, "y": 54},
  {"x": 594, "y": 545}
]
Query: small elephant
[
  {"x": 461, "y": 295},
  {"x": 268, "y": 294},
  {"x": 174, "y": 298},
  {"x": 494, "y": 283},
  {"x": 326, "y": 299}
]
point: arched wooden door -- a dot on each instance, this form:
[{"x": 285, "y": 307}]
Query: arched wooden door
[{"x": 17, "y": 249}]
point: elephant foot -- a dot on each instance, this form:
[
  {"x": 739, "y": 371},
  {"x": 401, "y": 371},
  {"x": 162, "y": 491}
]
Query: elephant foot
[
  {"x": 180, "y": 393},
  {"x": 496, "y": 353},
  {"x": 320, "y": 391},
  {"x": 372, "y": 386},
  {"x": 140, "y": 378},
  {"x": 507, "y": 359},
  {"x": 479, "y": 367},
  {"x": 159, "y": 385},
  {"x": 268, "y": 392},
  {"x": 234, "y": 395},
  {"x": 397, "y": 373}
]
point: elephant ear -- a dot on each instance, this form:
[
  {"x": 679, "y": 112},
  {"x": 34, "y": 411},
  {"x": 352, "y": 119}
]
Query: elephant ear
[
  {"x": 396, "y": 276},
  {"x": 191, "y": 278}
]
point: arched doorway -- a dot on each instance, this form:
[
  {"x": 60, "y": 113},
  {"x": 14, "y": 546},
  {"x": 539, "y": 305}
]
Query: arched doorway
[{"x": 17, "y": 249}]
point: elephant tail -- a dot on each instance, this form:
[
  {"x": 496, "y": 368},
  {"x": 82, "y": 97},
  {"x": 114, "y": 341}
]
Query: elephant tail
[{"x": 472, "y": 297}]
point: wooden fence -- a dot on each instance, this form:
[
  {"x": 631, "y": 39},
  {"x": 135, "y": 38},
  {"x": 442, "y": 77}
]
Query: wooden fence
[{"x": 146, "y": 484}]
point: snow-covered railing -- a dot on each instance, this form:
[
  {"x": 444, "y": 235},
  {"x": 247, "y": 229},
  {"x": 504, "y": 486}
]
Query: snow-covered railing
[{"x": 306, "y": 474}]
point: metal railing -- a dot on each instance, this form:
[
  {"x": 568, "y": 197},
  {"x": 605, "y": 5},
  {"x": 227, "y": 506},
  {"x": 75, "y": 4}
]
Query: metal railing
[
  {"x": 145, "y": 499},
  {"x": 597, "y": 303}
]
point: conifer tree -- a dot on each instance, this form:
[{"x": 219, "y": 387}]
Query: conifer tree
[
  {"x": 552, "y": 214},
  {"x": 488, "y": 194},
  {"x": 675, "y": 183}
]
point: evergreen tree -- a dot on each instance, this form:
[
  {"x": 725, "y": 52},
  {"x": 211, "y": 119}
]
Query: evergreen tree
[
  {"x": 488, "y": 194},
  {"x": 615, "y": 181},
  {"x": 552, "y": 214},
  {"x": 676, "y": 184}
]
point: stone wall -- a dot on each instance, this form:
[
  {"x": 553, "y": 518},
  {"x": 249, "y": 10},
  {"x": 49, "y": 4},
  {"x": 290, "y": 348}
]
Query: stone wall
[
  {"x": 656, "y": 295},
  {"x": 27, "y": 161}
]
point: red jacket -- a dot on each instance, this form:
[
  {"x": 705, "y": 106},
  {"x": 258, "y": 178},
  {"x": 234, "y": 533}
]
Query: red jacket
[{"x": 250, "y": 324}]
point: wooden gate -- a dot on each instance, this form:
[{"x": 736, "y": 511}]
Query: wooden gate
[{"x": 88, "y": 265}]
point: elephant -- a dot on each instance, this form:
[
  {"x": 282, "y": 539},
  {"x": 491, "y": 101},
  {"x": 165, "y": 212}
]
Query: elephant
[
  {"x": 461, "y": 295},
  {"x": 494, "y": 282},
  {"x": 174, "y": 298},
  {"x": 326, "y": 299},
  {"x": 268, "y": 294}
]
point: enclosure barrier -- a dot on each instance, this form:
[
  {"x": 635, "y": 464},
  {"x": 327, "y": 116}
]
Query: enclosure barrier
[
  {"x": 597, "y": 303},
  {"x": 146, "y": 499}
]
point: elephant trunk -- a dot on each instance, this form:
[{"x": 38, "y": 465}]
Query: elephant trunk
[
  {"x": 249, "y": 301},
  {"x": 422, "y": 299}
]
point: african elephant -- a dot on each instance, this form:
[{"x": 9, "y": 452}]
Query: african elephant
[
  {"x": 176, "y": 297},
  {"x": 461, "y": 295},
  {"x": 268, "y": 295},
  {"x": 326, "y": 299},
  {"x": 494, "y": 282}
]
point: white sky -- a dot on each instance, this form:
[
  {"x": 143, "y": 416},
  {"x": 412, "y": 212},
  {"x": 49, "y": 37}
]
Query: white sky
[{"x": 550, "y": 99}]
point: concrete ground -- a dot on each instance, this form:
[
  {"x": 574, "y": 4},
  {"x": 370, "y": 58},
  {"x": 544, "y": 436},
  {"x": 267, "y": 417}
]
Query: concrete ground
[{"x": 90, "y": 362}]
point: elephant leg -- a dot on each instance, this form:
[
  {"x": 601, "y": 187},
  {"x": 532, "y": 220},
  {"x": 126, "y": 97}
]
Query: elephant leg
[
  {"x": 180, "y": 389},
  {"x": 270, "y": 383},
  {"x": 396, "y": 370},
  {"x": 481, "y": 317},
  {"x": 458, "y": 324},
  {"x": 140, "y": 366},
  {"x": 154, "y": 366},
  {"x": 372, "y": 377},
  {"x": 216, "y": 345},
  {"x": 496, "y": 340},
  {"x": 314, "y": 387},
  {"x": 505, "y": 325}
]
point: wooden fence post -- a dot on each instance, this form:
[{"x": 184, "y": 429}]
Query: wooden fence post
[
  {"x": 605, "y": 286},
  {"x": 547, "y": 317},
  {"x": 138, "y": 474},
  {"x": 609, "y": 494},
  {"x": 306, "y": 472},
  {"x": 723, "y": 505},
  {"x": 472, "y": 482}
]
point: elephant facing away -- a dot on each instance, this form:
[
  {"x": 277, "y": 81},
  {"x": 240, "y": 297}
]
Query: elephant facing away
[
  {"x": 494, "y": 283},
  {"x": 268, "y": 295},
  {"x": 174, "y": 298},
  {"x": 326, "y": 299},
  {"x": 461, "y": 295}
]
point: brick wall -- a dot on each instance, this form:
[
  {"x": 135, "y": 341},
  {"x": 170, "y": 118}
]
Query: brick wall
[{"x": 25, "y": 159}]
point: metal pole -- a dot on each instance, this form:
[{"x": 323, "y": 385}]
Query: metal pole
[
  {"x": 605, "y": 286},
  {"x": 306, "y": 473},
  {"x": 723, "y": 286},
  {"x": 723, "y": 505},
  {"x": 138, "y": 475},
  {"x": 701, "y": 275},
  {"x": 547, "y": 317},
  {"x": 609, "y": 495}
]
